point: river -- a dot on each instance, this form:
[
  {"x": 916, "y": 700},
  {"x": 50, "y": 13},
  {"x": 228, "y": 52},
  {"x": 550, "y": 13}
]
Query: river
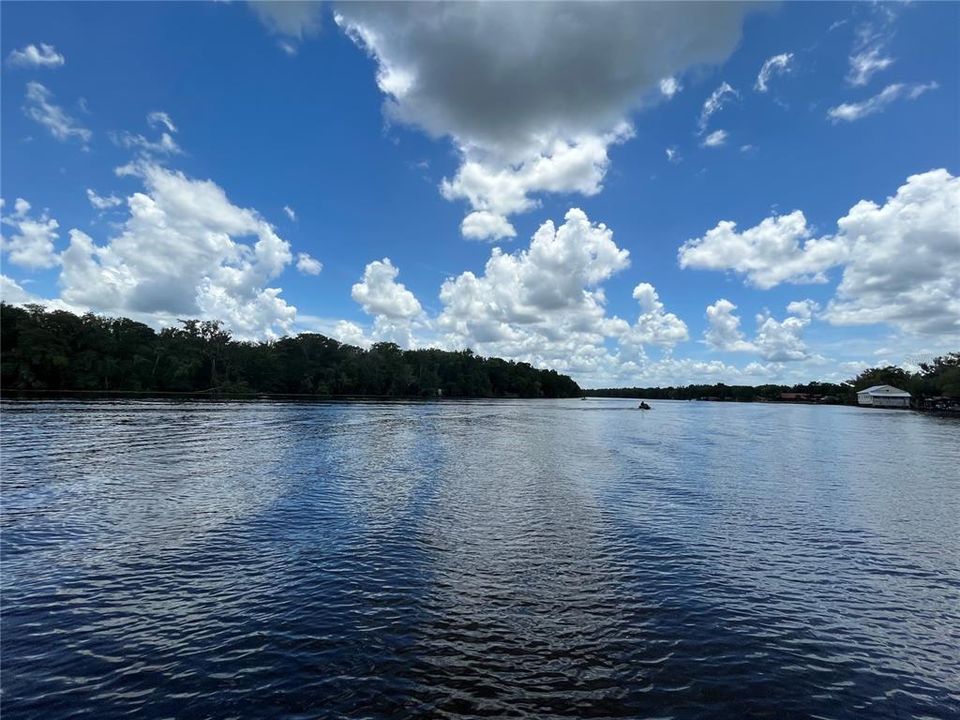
[{"x": 576, "y": 559}]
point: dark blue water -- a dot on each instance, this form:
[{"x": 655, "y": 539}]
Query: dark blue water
[{"x": 511, "y": 559}]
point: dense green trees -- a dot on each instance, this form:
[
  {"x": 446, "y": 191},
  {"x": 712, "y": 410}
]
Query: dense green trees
[
  {"x": 60, "y": 351},
  {"x": 939, "y": 377}
]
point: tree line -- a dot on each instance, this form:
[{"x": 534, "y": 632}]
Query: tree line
[
  {"x": 938, "y": 378},
  {"x": 60, "y": 351}
]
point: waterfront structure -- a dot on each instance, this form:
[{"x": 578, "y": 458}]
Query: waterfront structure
[{"x": 884, "y": 396}]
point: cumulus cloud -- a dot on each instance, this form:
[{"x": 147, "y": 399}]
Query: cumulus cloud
[
  {"x": 718, "y": 138},
  {"x": 848, "y": 112},
  {"x": 350, "y": 334},
  {"x": 775, "y": 341},
  {"x": 579, "y": 166},
  {"x": 803, "y": 308},
  {"x": 781, "y": 341},
  {"x": 381, "y": 295},
  {"x": 723, "y": 328},
  {"x": 42, "y": 56},
  {"x": 900, "y": 260},
  {"x": 904, "y": 261},
  {"x": 776, "y": 65},
  {"x": 654, "y": 325},
  {"x": 779, "y": 249},
  {"x": 32, "y": 245},
  {"x": 181, "y": 253},
  {"x": 543, "y": 304},
  {"x": 40, "y": 108},
  {"x": 308, "y": 265},
  {"x": 713, "y": 104},
  {"x": 467, "y": 71}
]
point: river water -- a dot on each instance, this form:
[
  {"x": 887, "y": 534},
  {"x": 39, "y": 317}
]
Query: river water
[{"x": 533, "y": 559}]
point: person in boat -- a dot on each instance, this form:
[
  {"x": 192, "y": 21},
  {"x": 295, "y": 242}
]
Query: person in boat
[{"x": 643, "y": 406}]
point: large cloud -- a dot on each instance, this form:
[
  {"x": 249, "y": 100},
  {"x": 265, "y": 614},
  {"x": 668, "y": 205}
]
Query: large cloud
[
  {"x": 904, "y": 260},
  {"x": 900, "y": 260},
  {"x": 544, "y": 304},
  {"x": 779, "y": 249},
  {"x": 181, "y": 253},
  {"x": 516, "y": 85}
]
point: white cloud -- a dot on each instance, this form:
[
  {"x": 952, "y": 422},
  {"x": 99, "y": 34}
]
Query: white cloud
[
  {"x": 290, "y": 212},
  {"x": 496, "y": 193},
  {"x": 781, "y": 341},
  {"x": 900, "y": 260},
  {"x": 669, "y": 86},
  {"x": 381, "y": 295},
  {"x": 180, "y": 254},
  {"x": 350, "y": 334},
  {"x": 904, "y": 260},
  {"x": 775, "y": 341},
  {"x": 717, "y": 138},
  {"x": 723, "y": 328},
  {"x": 308, "y": 265},
  {"x": 42, "y": 56},
  {"x": 654, "y": 325},
  {"x": 776, "y": 65},
  {"x": 41, "y": 108},
  {"x": 779, "y": 249},
  {"x": 165, "y": 145},
  {"x": 158, "y": 119},
  {"x": 848, "y": 112},
  {"x": 864, "y": 64},
  {"x": 11, "y": 292},
  {"x": 712, "y": 105},
  {"x": 544, "y": 304},
  {"x": 103, "y": 203},
  {"x": 467, "y": 71},
  {"x": 803, "y": 308},
  {"x": 673, "y": 155},
  {"x": 32, "y": 245}
]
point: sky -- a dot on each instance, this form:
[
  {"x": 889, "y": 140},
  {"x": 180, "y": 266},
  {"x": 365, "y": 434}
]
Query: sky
[{"x": 633, "y": 194}]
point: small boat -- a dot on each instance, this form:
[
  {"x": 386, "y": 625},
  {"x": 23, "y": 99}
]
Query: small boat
[{"x": 643, "y": 406}]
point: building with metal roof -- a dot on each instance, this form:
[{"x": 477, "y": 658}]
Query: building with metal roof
[{"x": 884, "y": 396}]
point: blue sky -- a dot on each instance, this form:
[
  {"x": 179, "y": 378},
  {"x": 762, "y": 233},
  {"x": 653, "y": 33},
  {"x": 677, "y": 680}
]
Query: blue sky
[{"x": 431, "y": 135}]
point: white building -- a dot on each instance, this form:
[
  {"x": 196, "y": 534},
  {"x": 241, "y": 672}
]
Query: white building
[{"x": 884, "y": 396}]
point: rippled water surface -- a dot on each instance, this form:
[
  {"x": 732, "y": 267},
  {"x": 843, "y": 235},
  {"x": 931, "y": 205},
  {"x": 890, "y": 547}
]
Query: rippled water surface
[{"x": 485, "y": 559}]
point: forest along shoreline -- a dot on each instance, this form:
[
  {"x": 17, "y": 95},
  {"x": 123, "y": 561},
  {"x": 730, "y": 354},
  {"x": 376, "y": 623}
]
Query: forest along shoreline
[{"x": 58, "y": 354}]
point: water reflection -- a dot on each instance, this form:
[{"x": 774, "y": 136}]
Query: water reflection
[{"x": 542, "y": 559}]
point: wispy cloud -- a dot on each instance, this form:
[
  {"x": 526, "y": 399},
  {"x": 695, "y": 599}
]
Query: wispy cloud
[
  {"x": 41, "y": 108},
  {"x": 776, "y": 65},
  {"x": 717, "y": 138},
  {"x": 848, "y": 112},
  {"x": 718, "y": 98}
]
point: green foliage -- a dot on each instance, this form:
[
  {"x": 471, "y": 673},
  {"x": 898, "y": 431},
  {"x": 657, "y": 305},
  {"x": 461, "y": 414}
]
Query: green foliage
[
  {"x": 939, "y": 377},
  {"x": 59, "y": 351}
]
